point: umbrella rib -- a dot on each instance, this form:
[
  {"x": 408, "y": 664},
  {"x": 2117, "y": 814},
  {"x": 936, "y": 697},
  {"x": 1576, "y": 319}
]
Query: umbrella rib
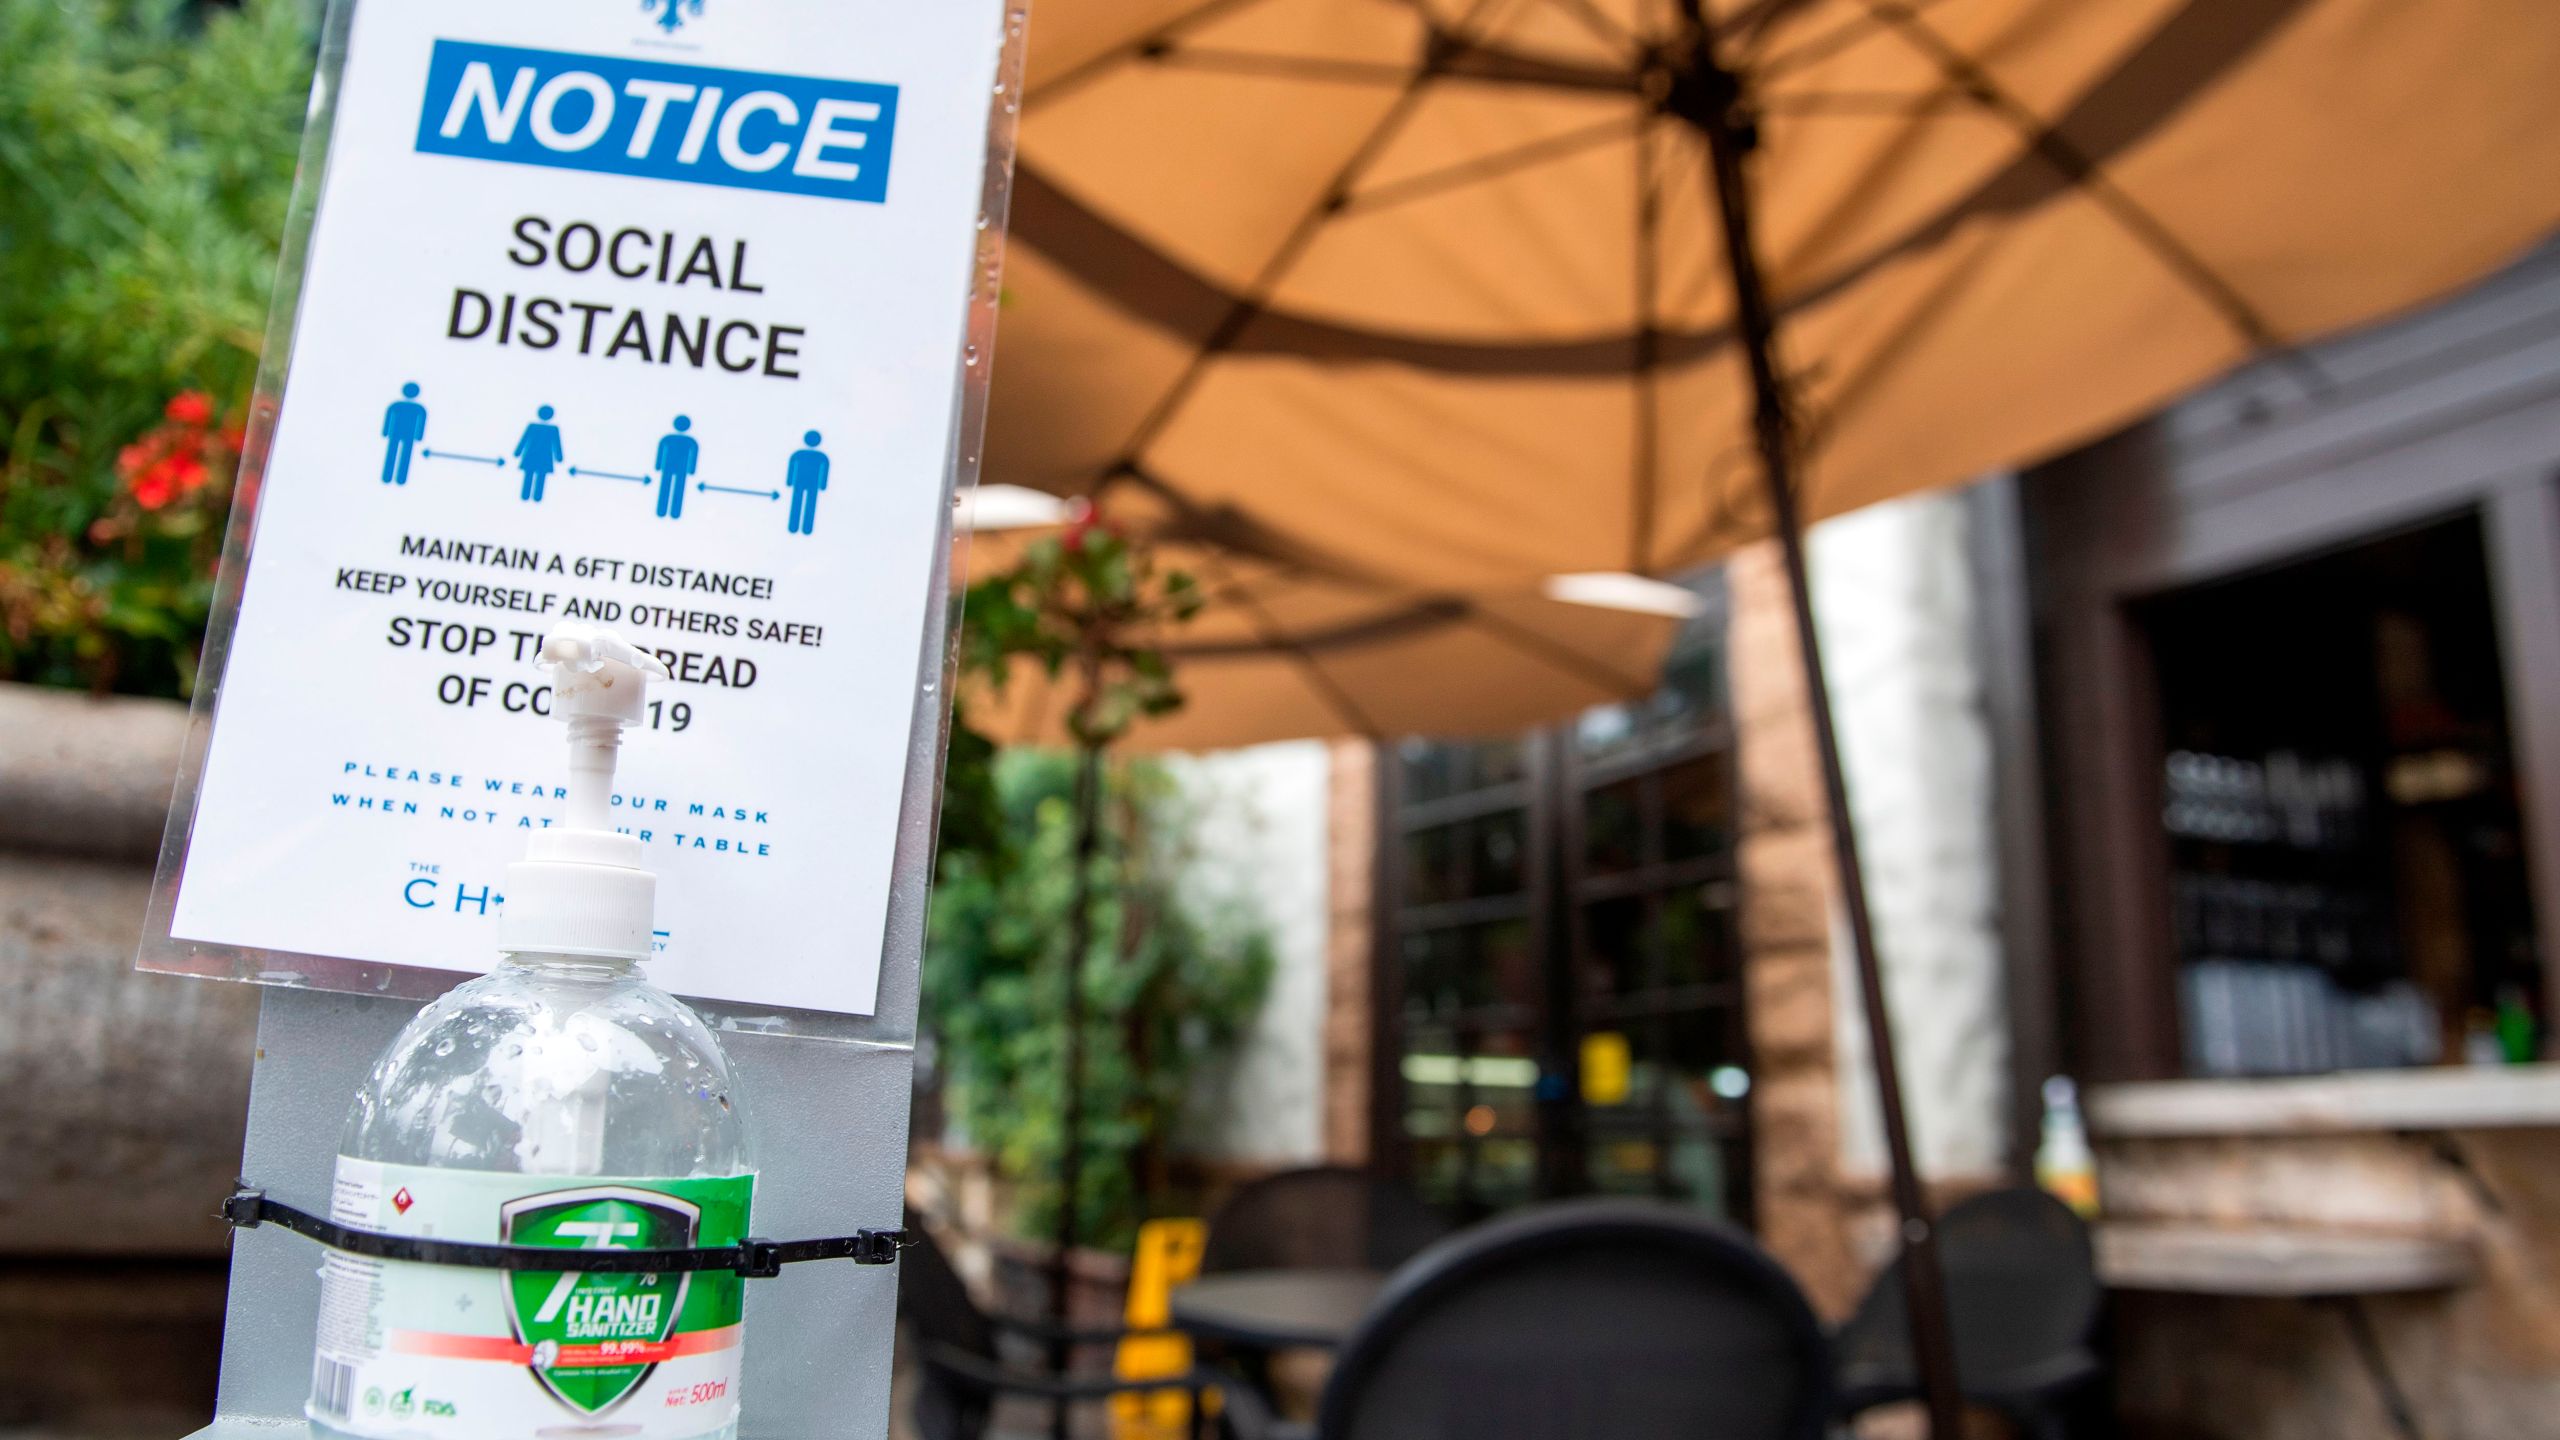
[
  {"x": 1235, "y": 533},
  {"x": 1977, "y": 82},
  {"x": 1489, "y": 167},
  {"x": 1077, "y": 75},
  {"x": 1153, "y": 287},
  {"x": 1758, "y": 15},
  {"x": 1464, "y": 61},
  {"x": 1601, "y": 26},
  {"x": 1421, "y": 615},
  {"x": 1856, "y": 102},
  {"x": 1280, "y": 67},
  {"x": 1328, "y": 690},
  {"x": 1258, "y": 294},
  {"x": 1827, "y": 44},
  {"x": 1562, "y": 657}
]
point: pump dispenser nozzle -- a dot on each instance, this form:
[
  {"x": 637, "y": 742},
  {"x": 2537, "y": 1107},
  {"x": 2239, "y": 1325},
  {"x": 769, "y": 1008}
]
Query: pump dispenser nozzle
[{"x": 580, "y": 889}]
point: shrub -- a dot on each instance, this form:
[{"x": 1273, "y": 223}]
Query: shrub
[
  {"x": 1169, "y": 990},
  {"x": 146, "y": 159}
]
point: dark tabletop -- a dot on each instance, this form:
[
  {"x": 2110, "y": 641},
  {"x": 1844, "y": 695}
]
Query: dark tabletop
[{"x": 1276, "y": 1309}]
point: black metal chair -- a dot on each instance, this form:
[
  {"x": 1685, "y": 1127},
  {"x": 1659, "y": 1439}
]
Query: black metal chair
[
  {"x": 1321, "y": 1218},
  {"x": 2022, "y": 1298},
  {"x": 1591, "y": 1319},
  {"x": 964, "y": 1366}
]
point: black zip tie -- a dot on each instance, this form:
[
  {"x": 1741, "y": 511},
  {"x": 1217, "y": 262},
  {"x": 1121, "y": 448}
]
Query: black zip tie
[{"x": 249, "y": 1207}]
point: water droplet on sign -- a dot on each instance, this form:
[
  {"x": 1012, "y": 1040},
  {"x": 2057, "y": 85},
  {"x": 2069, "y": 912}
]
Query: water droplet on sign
[{"x": 445, "y": 1046}]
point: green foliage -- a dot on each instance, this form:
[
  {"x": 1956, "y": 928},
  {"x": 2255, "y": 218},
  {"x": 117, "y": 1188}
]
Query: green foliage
[
  {"x": 1168, "y": 989},
  {"x": 146, "y": 159},
  {"x": 1085, "y": 604}
]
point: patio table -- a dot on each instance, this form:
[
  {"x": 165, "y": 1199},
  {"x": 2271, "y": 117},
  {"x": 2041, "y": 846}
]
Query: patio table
[{"x": 1266, "y": 1310}]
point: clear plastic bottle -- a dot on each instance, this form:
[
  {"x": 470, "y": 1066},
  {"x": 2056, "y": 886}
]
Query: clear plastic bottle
[
  {"x": 553, "y": 1065},
  {"x": 560, "y": 1099}
]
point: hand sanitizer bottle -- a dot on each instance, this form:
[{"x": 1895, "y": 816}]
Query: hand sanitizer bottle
[{"x": 559, "y": 1100}]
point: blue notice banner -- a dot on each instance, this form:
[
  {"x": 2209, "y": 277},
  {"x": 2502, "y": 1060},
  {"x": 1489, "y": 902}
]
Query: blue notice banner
[{"x": 790, "y": 133}]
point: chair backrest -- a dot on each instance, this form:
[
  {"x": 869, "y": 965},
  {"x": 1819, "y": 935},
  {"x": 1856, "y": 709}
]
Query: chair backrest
[
  {"x": 1321, "y": 1218},
  {"x": 2022, "y": 1290},
  {"x": 1580, "y": 1320},
  {"x": 935, "y": 1308}
]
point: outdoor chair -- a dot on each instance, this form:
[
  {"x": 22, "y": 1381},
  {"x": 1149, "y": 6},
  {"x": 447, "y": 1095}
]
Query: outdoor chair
[
  {"x": 968, "y": 1359},
  {"x": 1320, "y": 1218},
  {"x": 2022, "y": 1298},
  {"x": 1591, "y": 1319}
]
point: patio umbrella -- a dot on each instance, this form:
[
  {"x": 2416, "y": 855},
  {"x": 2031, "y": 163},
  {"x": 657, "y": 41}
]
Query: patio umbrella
[
  {"x": 1458, "y": 294},
  {"x": 1281, "y": 651},
  {"x": 1435, "y": 291}
]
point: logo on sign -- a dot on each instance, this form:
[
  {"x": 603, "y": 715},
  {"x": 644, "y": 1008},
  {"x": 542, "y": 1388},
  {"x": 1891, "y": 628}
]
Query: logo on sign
[
  {"x": 670, "y": 13},
  {"x": 595, "y": 1336},
  {"x": 796, "y": 134}
]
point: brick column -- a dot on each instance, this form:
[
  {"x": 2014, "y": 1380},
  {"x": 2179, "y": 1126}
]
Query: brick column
[
  {"x": 1350, "y": 920},
  {"x": 1807, "y": 1211}
]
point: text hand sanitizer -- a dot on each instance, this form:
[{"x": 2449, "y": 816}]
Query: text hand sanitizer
[{"x": 559, "y": 1100}]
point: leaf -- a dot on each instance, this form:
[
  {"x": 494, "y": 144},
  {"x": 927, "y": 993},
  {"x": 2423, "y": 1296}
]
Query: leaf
[{"x": 147, "y": 153}]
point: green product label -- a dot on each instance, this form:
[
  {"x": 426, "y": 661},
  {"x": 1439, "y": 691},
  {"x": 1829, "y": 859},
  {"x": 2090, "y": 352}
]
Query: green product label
[
  {"x": 410, "y": 1351},
  {"x": 594, "y": 1318}
]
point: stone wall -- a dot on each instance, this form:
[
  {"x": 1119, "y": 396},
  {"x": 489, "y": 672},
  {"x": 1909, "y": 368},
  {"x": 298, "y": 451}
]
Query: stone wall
[
  {"x": 2473, "y": 1351},
  {"x": 122, "y": 1095},
  {"x": 1259, "y": 846},
  {"x": 1894, "y": 593}
]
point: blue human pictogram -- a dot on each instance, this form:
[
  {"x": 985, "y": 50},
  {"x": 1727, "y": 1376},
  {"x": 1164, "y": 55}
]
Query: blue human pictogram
[
  {"x": 403, "y": 426},
  {"x": 805, "y": 477},
  {"x": 671, "y": 13},
  {"x": 679, "y": 455},
  {"x": 538, "y": 454}
]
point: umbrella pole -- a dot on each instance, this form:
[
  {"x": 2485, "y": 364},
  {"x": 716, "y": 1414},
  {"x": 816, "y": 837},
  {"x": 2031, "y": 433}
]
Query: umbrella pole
[
  {"x": 1088, "y": 841},
  {"x": 1729, "y": 136}
]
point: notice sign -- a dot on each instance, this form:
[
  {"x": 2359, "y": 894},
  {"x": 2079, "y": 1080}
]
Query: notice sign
[{"x": 648, "y": 314}]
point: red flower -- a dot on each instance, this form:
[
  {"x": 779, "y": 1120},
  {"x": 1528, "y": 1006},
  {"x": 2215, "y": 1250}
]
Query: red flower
[
  {"x": 1083, "y": 518},
  {"x": 190, "y": 407},
  {"x": 155, "y": 486}
]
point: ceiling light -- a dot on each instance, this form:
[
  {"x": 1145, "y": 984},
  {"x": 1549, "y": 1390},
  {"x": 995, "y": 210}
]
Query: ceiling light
[{"x": 1619, "y": 590}]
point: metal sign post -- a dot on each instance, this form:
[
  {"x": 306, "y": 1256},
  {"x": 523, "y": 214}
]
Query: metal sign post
[{"x": 677, "y": 317}]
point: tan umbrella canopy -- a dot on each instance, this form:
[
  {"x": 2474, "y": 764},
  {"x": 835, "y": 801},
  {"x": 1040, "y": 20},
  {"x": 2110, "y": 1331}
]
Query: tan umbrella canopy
[
  {"x": 1281, "y": 652},
  {"x": 1432, "y": 291},
  {"x": 1446, "y": 296}
]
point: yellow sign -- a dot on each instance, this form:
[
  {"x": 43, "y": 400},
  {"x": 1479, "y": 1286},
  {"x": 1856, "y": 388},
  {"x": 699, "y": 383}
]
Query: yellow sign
[
  {"x": 1607, "y": 1065},
  {"x": 1168, "y": 1255}
]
